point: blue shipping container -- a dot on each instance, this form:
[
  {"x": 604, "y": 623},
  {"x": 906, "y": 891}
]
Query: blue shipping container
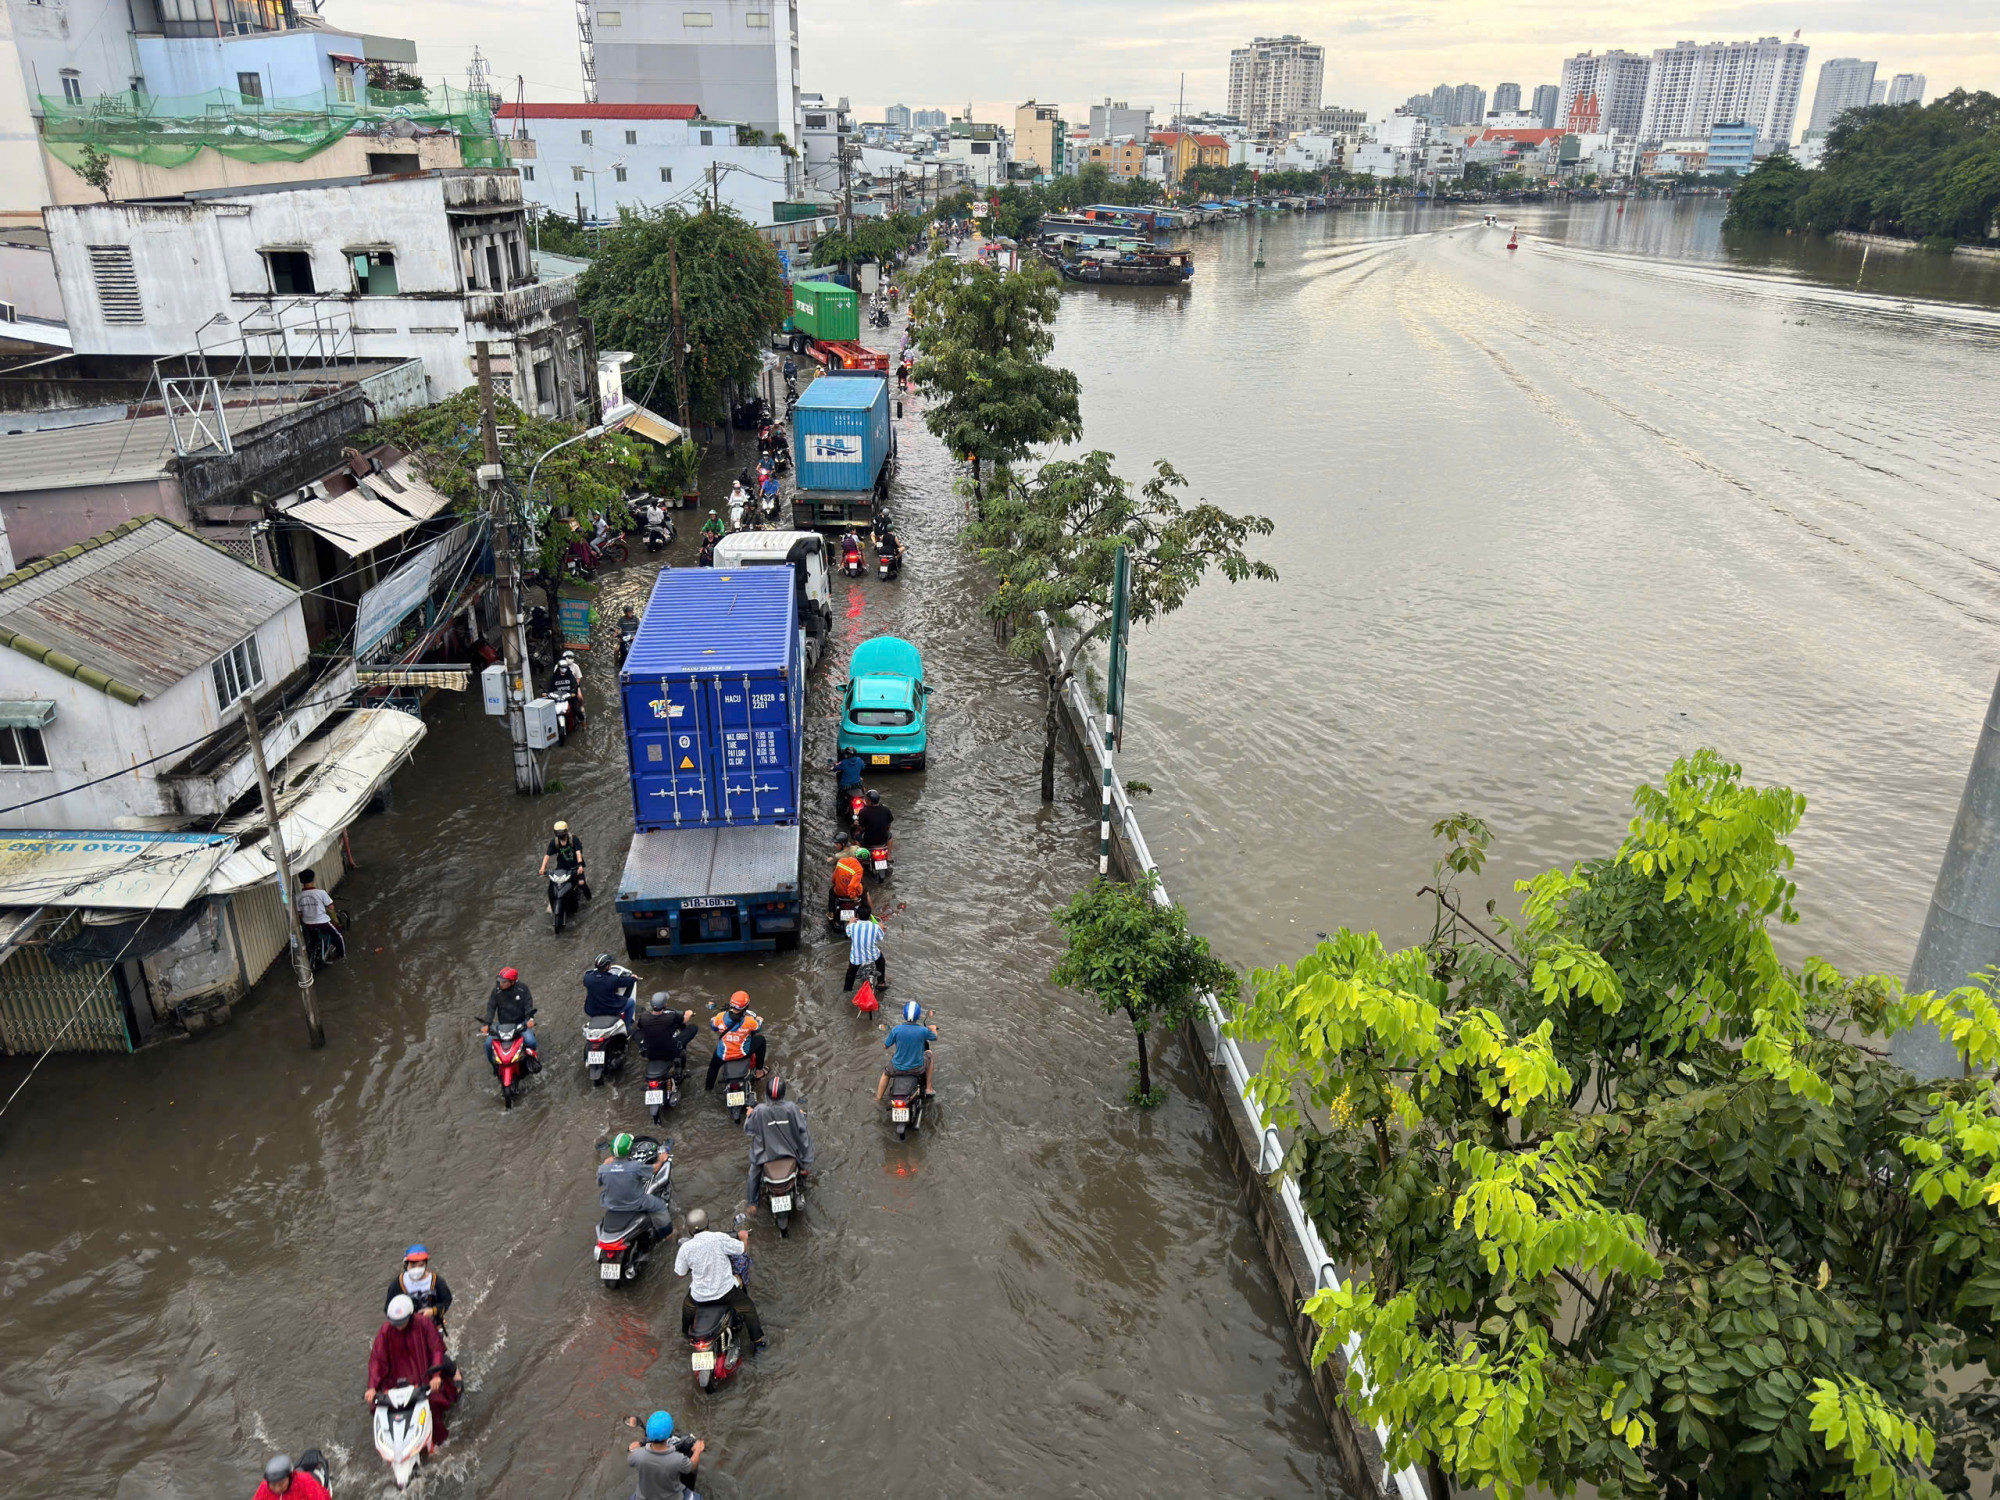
[
  {"x": 714, "y": 697},
  {"x": 840, "y": 433}
]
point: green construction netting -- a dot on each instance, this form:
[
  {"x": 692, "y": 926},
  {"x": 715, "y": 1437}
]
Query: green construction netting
[{"x": 171, "y": 130}]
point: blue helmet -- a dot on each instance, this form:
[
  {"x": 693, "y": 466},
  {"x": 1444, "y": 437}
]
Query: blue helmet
[
  {"x": 416, "y": 1252},
  {"x": 659, "y": 1427},
  {"x": 913, "y": 1011}
]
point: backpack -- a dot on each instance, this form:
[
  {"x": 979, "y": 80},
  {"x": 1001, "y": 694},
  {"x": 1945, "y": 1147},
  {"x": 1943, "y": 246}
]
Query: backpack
[{"x": 847, "y": 878}]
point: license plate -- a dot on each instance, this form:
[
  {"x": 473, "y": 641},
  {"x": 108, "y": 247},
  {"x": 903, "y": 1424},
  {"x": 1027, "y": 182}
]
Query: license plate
[
  {"x": 735, "y": 1097},
  {"x": 656, "y": 1096},
  {"x": 782, "y": 1205},
  {"x": 878, "y": 760},
  {"x": 707, "y": 903},
  {"x": 704, "y": 1359},
  {"x": 846, "y": 915},
  {"x": 610, "y": 1270},
  {"x": 594, "y": 1059},
  {"x": 899, "y": 1113}
]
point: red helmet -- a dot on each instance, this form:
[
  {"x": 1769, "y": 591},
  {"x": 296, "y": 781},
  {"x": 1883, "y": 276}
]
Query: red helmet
[{"x": 508, "y": 976}]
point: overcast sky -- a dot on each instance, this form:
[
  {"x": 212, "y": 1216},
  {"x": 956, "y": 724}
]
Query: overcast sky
[{"x": 996, "y": 53}]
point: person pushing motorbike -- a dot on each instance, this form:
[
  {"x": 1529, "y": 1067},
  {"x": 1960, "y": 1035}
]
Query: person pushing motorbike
[{"x": 738, "y": 1034}]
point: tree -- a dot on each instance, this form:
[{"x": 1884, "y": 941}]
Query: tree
[
  {"x": 1053, "y": 542},
  {"x": 1135, "y": 954},
  {"x": 1632, "y": 1201},
  {"x": 1768, "y": 198},
  {"x": 733, "y": 293},
  {"x": 982, "y": 335},
  {"x": 95, "y": 169}
]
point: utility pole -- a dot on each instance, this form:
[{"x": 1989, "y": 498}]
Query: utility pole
[
  {"x": 287, "y": 892},
  {"x": 507, "y": 575},
  {"x": 680, "y": 339},
  {"x": 714, "y": 192}
]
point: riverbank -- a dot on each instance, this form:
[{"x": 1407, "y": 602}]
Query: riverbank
[{"x": 1900, "y": 246}]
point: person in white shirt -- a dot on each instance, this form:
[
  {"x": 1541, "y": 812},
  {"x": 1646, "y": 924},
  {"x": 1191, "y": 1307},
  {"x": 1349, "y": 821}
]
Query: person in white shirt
[
  {"x": 704, "y": 1259},
  {"x": 316, "y": 916}
]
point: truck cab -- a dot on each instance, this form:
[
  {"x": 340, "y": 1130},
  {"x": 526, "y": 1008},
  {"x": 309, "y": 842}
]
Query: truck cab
[
  {"x": 883, "y": 715},
  {"x": 806, "y": 552}
]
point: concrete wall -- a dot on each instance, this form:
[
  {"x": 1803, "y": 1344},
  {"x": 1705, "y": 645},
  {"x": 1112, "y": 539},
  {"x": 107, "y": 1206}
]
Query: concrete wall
[
  {"x": 40, "y": 522},
  {"x": 288, "y": 63},
  {"x": 210, "y": 170},
  {"x": 23, "y": 190},
  {"x": 28, "y": 276},
  {"x": 647, "y": 54},
  {"x": 92, "y": 36},
  {"x": 567, "y": 170}
]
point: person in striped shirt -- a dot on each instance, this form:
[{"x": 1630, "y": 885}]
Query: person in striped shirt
[{"x": 864, "y": 947}]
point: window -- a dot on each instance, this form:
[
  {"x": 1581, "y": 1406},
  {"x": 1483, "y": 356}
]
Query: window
[
  {"x": 815, "y": 122},
  {"x": 619, "y": 173},
  {"x": 374, "y": 272},
  {"x": 697, "y": 18},
  {"x": 22, "y": 747},
  {"x": 666, "y": 174},
  {"x": 250, "y": 85},
  {"x": 985, "y": 148},
  {"x": 528, "y": 174},
  {"x": 586, "y": 137},
  {"x": 117, "y": 286},
  {"x": 545, "y": 383},
  {"x": 343, "y": 82},
  {"x": 72, "y": 86},
  {"x": 610, "y": 18},
  {"x": 514, "y": 258},
  {"x": 291, "y": 271},
  {"x": 493, "y": 267},
  {"x": 758, "y": 20},
  {"x": 708, "y": 138},
  {"x": 384, "y": 163},
  {"x": 576, "y": 174},
  {"x": 882, "y": 718},
  {"x": 631, "y": 137},
  {"x": 237, "y": 671}
]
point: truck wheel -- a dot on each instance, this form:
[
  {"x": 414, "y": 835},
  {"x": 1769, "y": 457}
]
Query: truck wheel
[
  {"x": 787, "y": 942},
  {"x": 635, "y": 947}
]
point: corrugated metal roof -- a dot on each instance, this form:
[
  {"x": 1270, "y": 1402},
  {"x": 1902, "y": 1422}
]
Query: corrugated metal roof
[
  {"x": 596, "y": 112},
  {"x": 140, "y": 607},
  {"x": 380, "y": 508},
  {"x": 100, "y": 453}
]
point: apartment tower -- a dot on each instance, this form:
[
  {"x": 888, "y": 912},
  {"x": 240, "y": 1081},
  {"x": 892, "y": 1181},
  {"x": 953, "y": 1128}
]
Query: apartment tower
[{"x": 1273, "y": 77}]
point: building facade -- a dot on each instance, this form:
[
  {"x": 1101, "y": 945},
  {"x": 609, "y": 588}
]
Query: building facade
[
  {"x": 1121, "y": 158},
  {"x": 1603, "y": 92},
  {"x": 735, "y": 60},
  {"x": 1548, "y": 98},
  {"x": 1906, "y": 88},
  {"x": 1272, "y": 77},
  {"x": 897, "y": 117},
  {"x": 591, "y": 160},
  {"x": 928, "y": 119},
  {"x": 1108, "y": 121},
  {"x": 1693, "y": 85},
  {"x": 1844, "y": 83},
  {"x": 1732, "y": 146},
  {"x": 979, "y": 152},
  {"x": 1506, "y": 98},
  {"x": 1041, "y": 136}
]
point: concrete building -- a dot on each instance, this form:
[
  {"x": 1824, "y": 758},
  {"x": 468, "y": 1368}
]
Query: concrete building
[
  {"x": 1041, "y": 137},
  {"x": 1121, "y": 158},
  {"x": 1732, "y": 146},
  {"x": 735, "y": 60},
  {"x": 1329, "y": 119},
  {"x": 980, "y": 152},
  {"x": 1603, "y": 92},
  {"x": 828, "y": 130},
  {"x": 897, "y": 117},
  {"x": 1403, "y": 129},
  {"x": 591, "y": 160},
  {"x": 1906, "y": 88},
  {"x": 1548, "y": 98},
  {"x": 1692, "y": 86},
  {"x": 423, "y": 266},
  {"x": 1272, "y": 77},
  {"x": 1506, "y": 98},
  {"x": 1844, "y": 83},
  {"x": 929, "y": 119},
  {"x": 1108, "y": 121}
]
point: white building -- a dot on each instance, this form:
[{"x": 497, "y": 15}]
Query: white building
[
  {"x": 1906, "y": 88},
  {"x": 979, "y": 152},
  {"x": 1695, "y": 85},
  {"x": 1274, "y": 76},
  {"x": 1402, "y": 129},
  {"x": 386, "y": 268},
  {"x": 1844, "y": 83},
  {"x": 828, "y": 128},
  {"x": 737, "y": 60},
  {"x": 594, "y": 159},
  {"x": 1383, "y": 159},
  {"x": 1603, "y": 91},
  {"x": 1108, "y": 121}
]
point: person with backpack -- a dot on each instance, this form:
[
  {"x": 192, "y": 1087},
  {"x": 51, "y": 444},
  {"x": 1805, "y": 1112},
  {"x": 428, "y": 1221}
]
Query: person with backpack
[{"x": 849, "y": 868}]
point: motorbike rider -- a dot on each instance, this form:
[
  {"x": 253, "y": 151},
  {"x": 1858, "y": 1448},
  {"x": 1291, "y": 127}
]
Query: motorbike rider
[
  {"x": 566, "y": 852},
  {"x": 909, "y": 1047},
  {"x": 662, "y": 1463},
  {"x": 706, "y": 1258},
  {"x": 850, "y": 546},
  {"x": 610, "y": 990},
  {"x": 849, "y": 866},
  {"x": 864, "y": 950},
  {"x": 712, "y": 528},
  {"x": 628, "y": 627},
  {"x": 664, "y": 1033},
  {"x": 511, "y": 1004},
  {"x": 871, "y": 824},
  {"x": 284, "y": 1482},
  {"x": 887, "y": 544},
  {"x": 777, "y": 1128},
  {"x": 423, "y": 1286},
  {"x": 847, "y": 774},
  {"x": 624, "y": 1186},
  {"x": 738, "y": 1033},
  {"x": 409, "y": 1350},
  {"x": 706, "y": 557}
]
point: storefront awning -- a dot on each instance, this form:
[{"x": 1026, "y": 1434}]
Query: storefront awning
[
  {"x": 327, "y": 784},
  {"x": 109, "y": 871},
  {"x": 457, "y": 679},
  {"x": 377, "y": 509},
  {"x": 650, "y": 424}
]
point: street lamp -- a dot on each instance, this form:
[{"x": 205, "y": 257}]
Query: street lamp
[{"x": 614, "y": 418}]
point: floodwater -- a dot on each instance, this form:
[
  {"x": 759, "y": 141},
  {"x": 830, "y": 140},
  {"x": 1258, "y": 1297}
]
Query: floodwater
[
  {"x": 1546, "y": 519},
  {"x": 1045, "y": 1293}
]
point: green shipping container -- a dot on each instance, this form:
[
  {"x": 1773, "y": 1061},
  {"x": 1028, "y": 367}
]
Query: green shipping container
[{"x": 826, "y": 310}]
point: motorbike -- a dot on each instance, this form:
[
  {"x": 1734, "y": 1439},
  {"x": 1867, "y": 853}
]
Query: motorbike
[
  {"x": 842, "y": 914},
  {"x": 625, "y": 1241},
  {"x": 663, "y": 1084},
  {"x": 402, "y": 1429},
  {"x": 782, "y": 1192},
  {"x": 853, "y": 803},
  {"x": 569, "y": 707},
  {"x": 878, "y": 317},
  {"x": 604, "y": 1042},
  {"x": 879, "y": 861},
  {"x": 611, "y": 550},
  {"x": 906, "y": 1102},
  {"x": 628, "y": 631},
  {"x": 507, "y": 1051},
  {"x": 563, "y": 896},
  {"x": 888, "y": 565},
  {"x": 738, "y": 507},
  {"x": 717, "y": 1343},
  {"x": 313, "y": 1462},
  {"x": 851, "y": 563},
  {"x": 735, "y": 1076},
  {"x": 538, "y": 625}
]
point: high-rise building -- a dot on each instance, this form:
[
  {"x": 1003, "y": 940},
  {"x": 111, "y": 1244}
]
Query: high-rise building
[
  {"x": 1547, "y": 97},
  {"x": 1603, "y": 92},
  {"x": 897, "y": 116},
  {"x": 1906, "y": 88},
  {"x": 732, "y": 59},
  {"x": 928, "y": 119},
  {"x": 1692, "y": 86},
  {"x": 1273, "y": 76},
  {"x": 1468, "y": 105},
  {"x": 1041, "y": 136},
  {"x": 1108, "y": 120},
  {"x": 1506, "y": 98},
  {"x": 1878, "y": 90},
  {"x": 1844, "y": 83},
  {"x": 1329, "y": 119}
]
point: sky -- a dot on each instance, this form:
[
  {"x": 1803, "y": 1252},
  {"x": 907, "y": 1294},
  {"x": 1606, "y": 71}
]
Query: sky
[{"x": 994, "y": 54}]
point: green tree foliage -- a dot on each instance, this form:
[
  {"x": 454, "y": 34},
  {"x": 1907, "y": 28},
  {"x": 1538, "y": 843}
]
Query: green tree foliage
[
  {"x": 95, "y": 169},
  {"x": 1017, "y": 209},
  {"x": 733, "y": 293},
  {"x": 561, "y": 235},
  {"x": 1134, "y": 953},
  {"x": 1243, "y": 181},
  {"x": 1053, "y": 542},
  {"x": 582, "y": 481},
  {"x": 1631, "y": 1200},
  {"x": 982, "y": 336},
  {"x": 881, "y": 240},
  {"x": 1768, "y": 199}
]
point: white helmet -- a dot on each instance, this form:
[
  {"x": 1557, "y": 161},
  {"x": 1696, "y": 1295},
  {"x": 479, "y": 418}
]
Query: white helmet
[{"x": 401, "y": 1309}]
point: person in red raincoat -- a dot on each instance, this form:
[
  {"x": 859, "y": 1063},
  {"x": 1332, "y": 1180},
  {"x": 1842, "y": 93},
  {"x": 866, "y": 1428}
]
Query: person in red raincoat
[{"x": 408, "y": 1349}]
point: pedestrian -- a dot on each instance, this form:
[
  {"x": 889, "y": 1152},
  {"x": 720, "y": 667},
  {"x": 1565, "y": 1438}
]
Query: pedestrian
[
  {"x": 662, "y": 1464},
  {"x": 316, "y": 916},
  {"x": 864, "y": 947},
  {"x": 284, "y": 1481}
]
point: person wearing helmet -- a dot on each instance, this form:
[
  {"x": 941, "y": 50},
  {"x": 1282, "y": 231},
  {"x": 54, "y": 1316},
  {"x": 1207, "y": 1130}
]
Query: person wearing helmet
[
  {"x": 663, "y": 1465},
  {"x": 427, "y": 1291},
  {"x": 864, "y": 949},
  {"x": 624, "y": 1186},
  {"x": 565, "y": 852},
  {"x": 777, "y": 1129},
  {"x": 708, "y": 1259},
  {"x": 511, "y": 1004},
  {"x": 570, "y": 670},
  {"x": 871, "y": 824},
  {"x": 712, "y": 528},
  {"x": 664, "y": 1033},
  {"x": 611, "y": 990},
  {"x": 284, "y": 1481},
  {"x": 909, "y": 1045},
  {"x": 738, "y": 1033},
  {"x": 409, "y": 1351}
]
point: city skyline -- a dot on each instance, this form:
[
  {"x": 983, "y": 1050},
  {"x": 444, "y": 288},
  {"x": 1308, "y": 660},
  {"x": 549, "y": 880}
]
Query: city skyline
[{"x": 878, "y": 53}]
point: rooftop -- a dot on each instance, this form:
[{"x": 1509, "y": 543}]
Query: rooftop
[{"x": 597, "y": 112}]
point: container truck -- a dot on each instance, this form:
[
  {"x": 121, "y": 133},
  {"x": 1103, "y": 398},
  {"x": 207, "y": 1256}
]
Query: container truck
[
  {"x": 826, "y": 328},
  {"x": 805, "y": 551},
  {"x": 844, "y": 451},
  {"x": 713, "y": 691}
]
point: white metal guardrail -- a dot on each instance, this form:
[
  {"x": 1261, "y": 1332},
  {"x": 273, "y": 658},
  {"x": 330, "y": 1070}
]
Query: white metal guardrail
[{"x": 1270, "y": 1145}]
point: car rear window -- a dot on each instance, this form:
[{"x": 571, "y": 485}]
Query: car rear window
[{"x": 881, "y": 718}]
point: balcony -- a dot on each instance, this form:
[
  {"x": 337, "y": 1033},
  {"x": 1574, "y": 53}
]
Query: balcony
[
  {"x": 520, "y": 304},
  {"x": 219, "y": 770}
]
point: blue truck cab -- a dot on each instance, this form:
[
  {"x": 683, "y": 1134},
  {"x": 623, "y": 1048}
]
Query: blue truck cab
[{"x": 883, "y": 715}]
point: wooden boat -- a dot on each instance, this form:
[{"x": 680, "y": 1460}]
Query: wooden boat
[{"x": 1131, "y": 268}]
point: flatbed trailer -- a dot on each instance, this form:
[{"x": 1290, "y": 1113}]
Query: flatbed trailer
[{"x": 690, "y": 891}]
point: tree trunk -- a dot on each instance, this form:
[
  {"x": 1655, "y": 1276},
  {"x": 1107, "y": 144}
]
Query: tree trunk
[
  {"x": 1439, "y": 1486},
  {"x": 1049, "y": 745},
  {"x": 1145, "y": 1072}
]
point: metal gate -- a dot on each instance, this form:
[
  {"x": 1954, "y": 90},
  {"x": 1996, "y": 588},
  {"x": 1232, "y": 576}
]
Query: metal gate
[{"x": 38, "y": 1000}]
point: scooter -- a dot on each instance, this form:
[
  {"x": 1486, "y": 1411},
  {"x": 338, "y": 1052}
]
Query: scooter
[
  {"x": 628, "y": 631},
  {"x": 880, "y": 863},
  {"x": 663, "y": 1084},
  {"x": 313, "y": 1462},
  {"x": 888, "y": 565},
  {"x": 604, "y": 1044},
  {"x": 854, "y": 802},
  {"x": 842, "y": 914},
  {"x": 736, "y": 1087},
  {"x": 507, "y": 1051},
  {"x": 402, "y": 1429},
  {"x": 611, "y": 550},
  {"x": 878, "y": 317},
  {"x": 569, "y": 707},
  {"x": 782, "y": 1192},
  {"x": 563, "y": 896},
  {"x": 906, "y": 1102},
  {"x": 851, "y": 563},
  {"x": 625, "y": 1241}
]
